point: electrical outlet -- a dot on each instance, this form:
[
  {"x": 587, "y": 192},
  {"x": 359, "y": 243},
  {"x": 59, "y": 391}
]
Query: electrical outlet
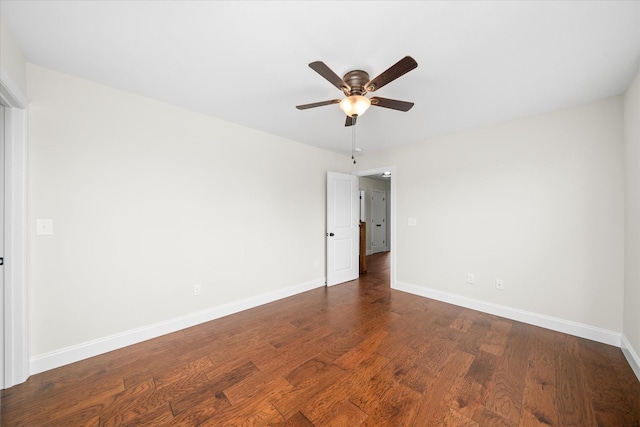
[
  {"x": 471, "y": 279},
  {"x": 197, "y": 289},
  {"x": 500, "y": 284}
]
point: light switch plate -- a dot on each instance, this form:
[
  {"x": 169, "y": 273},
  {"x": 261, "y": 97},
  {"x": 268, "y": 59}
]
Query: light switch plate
[
  {"x": 412, "y": 222},
  {"x": 44, "y": 227}
]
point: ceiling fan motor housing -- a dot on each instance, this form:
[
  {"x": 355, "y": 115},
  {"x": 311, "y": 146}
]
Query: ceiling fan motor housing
[{"x": 356, "y": 79}]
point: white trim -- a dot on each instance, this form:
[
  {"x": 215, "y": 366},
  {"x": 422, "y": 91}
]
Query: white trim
[
  {"x": 16, "y": 292},
  {"x": 631, "y": 355},
  {"x": 92, "y": 348},
  {"x": 10, "y": 92},
  {"x": 561, "y": 325}
]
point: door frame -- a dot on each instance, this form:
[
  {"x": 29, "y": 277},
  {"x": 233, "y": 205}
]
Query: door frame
[
  {"x": 15, "y": 357},
  {"x": 391, "y": 220}
]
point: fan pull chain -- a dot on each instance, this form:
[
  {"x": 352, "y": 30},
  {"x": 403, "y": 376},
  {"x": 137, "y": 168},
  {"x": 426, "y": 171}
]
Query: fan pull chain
[{"x": 353, "y": 143}]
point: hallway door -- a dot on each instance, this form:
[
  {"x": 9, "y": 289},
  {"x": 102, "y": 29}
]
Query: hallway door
[{"x": 378, "y": 221}]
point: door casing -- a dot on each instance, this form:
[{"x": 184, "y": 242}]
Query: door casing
[{"x": 15, "y": 300}]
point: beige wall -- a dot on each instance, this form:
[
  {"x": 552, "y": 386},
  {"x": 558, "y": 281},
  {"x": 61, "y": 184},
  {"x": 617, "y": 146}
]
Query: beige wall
[
  {"x": 537, "y": 202},
  {"x": 632, "y": 216},
  {"x": 148, "y": 200},
  {"x": 12, "y": 61}
]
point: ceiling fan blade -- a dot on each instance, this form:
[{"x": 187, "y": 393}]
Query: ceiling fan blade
[
  {"x": 317, "y": 104},
  {"x": 398, "y": 69},
  {"x": 350, "y": 121},
  {"x": 326, "y": 72},
  {"x": 394, "y": 104}
]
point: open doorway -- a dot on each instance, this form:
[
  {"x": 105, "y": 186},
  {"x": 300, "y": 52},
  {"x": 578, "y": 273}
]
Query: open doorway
[
  {"x": 378, "y": 187},
  {"x": 374, "y": 212}
]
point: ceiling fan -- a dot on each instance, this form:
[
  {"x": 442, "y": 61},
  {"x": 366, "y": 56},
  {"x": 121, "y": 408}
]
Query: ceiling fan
[{"x": 355, "y": 84}]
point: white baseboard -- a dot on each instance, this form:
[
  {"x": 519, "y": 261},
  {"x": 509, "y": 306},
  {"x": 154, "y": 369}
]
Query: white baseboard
[
  {"x": 560, "y": 325},
  {"x": 99, "y": 346},
  {"x": 64, "y": 356},
  {"x": 631, "y": 355}
]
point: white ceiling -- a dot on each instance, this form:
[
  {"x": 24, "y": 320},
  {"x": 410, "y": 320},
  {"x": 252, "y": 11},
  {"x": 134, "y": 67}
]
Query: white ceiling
[{"x": 247, "y": 62}]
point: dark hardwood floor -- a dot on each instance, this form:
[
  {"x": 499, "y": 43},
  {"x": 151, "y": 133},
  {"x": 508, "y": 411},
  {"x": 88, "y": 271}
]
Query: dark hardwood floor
[{"x": 354, "y": 354}]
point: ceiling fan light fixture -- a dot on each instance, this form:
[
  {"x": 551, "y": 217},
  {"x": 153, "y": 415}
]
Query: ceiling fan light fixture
[{"x": 355, "y": 105}]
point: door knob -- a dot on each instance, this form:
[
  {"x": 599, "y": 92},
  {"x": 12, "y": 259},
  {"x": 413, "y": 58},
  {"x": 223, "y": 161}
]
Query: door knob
[{"x": 331, "y": 234}]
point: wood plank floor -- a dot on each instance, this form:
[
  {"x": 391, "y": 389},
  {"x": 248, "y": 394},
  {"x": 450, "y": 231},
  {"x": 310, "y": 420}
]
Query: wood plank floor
[{"x": 355, "y": 354}]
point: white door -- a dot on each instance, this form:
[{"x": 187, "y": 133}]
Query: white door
[
  {"x": 343, "y": 228},
  {"x": 378, "y": 221}
]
